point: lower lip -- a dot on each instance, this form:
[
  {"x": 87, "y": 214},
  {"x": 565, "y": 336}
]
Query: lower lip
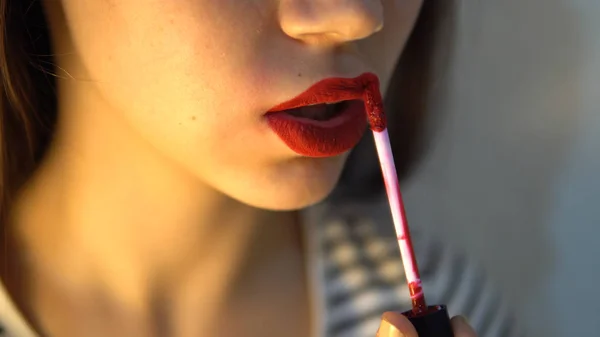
[{"x": 312, "y": 138}]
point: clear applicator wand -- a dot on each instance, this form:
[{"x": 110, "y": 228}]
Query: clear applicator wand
[{"x": 429, "y": 321}]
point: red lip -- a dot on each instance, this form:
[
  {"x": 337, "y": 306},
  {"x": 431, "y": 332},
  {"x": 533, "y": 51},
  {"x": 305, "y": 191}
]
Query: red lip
[{"x": 315, "y": 138}]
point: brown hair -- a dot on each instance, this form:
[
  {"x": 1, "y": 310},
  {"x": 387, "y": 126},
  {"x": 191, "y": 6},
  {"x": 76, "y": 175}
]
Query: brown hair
[
  {"x": 27, "y": 95},
  {"x": 28, "y": 100}
]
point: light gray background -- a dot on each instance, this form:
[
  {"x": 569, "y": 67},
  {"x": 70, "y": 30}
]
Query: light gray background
[{"x": 512, "y": 173}]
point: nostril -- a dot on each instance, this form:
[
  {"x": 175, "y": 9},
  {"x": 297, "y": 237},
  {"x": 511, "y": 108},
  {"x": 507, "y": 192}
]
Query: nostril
[{"x": 331, "y": 21}]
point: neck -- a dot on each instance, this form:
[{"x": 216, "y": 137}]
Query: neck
[{"x": 108, "y": 216}]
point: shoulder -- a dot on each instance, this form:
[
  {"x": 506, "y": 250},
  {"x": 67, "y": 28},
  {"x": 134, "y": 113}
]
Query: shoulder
[{"x": 364, "y": 275}]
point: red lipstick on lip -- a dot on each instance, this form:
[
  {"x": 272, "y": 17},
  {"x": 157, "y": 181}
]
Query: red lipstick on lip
[{"x": 324, "y": 138}]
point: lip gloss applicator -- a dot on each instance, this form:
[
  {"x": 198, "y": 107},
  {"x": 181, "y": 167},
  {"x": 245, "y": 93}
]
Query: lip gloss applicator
[{"x": 429, "y": 321}]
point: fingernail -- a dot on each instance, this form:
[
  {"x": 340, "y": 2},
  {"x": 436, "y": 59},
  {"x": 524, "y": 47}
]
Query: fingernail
[
  {"x": 386, "y": 329},
  {"x": 463, "y": 319},
  {"x": 462, "y": 327}
]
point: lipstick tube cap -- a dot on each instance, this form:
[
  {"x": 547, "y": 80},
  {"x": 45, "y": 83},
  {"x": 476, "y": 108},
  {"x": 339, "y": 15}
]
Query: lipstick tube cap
[{"x": 435, "y": 322}]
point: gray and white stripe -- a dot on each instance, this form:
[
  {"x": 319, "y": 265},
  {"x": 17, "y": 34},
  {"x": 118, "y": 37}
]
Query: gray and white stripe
[{"x": 364, "y": 278}]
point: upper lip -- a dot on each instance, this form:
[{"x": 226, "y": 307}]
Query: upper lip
[{"x": 330, "y": 90}]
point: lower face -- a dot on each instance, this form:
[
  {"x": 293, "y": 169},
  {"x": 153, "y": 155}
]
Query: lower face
[{"x": 196, "y": 78}]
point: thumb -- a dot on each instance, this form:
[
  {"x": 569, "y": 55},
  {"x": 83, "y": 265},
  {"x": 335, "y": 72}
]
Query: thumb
[{"x": 394, "y": 324}]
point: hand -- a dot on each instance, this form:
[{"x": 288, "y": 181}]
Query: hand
[{"x": 394, "y": 324}]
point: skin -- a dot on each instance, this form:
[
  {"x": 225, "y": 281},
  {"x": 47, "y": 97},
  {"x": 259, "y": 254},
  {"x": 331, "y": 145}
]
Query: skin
[
  {"x": 393, "y": 324},
  {"x": 164, "y": 187}
]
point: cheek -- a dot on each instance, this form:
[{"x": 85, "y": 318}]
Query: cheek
[
  {"x": 384, "y": 48},
  {"x": 170, "y": 72}
]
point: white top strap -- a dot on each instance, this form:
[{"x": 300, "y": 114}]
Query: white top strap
[{"x": 12, "y": 321}]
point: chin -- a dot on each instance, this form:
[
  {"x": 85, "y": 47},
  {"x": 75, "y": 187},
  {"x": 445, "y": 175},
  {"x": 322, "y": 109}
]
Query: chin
[
  {"x": 296, "y": 198},
  {"x": 292, "y": 186}
]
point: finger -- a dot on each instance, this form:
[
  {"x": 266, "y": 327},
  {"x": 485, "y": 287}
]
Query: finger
[
  {"x": 394, "y": 324},
  {"x": 461, "y": 327}
]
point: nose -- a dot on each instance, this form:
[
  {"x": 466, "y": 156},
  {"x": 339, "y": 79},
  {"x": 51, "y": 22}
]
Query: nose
[{"x": 330, "y": 21}]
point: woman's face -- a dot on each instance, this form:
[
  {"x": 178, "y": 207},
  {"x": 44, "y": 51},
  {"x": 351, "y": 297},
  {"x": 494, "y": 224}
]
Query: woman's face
[{"x": 194, "y": 78}]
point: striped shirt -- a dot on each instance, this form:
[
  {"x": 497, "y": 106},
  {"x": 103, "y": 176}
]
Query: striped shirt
[{"x": 357, "y": 275}]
